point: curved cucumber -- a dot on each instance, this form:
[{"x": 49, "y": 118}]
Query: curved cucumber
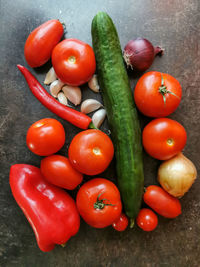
[{"x": 121, "y": 112}]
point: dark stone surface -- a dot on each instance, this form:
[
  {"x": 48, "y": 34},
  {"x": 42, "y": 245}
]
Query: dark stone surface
[{"x": 171, "y": 24}]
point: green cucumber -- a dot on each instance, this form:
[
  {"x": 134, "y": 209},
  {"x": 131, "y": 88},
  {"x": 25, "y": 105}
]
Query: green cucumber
[{"x": 121, "y": 112}]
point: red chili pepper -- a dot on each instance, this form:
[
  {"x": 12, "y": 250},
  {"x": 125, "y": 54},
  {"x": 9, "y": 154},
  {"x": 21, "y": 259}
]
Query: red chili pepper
[
  {"x": 51, "y": 212},
  {"x": 73, "y": 116}
]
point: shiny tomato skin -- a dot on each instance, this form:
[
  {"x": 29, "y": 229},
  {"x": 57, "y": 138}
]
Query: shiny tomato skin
[
  {"x": 91, "y": 151},
  {"x": 163, "y": 138},
  {"x": 162, "y": 202},
  {"x": 88, "y": 195},
  {"x": 57, "y": 170},
  {"x": 121, "y": 223},
  {"x": 41, "y": 41},
  {"x": 150, "y": 101},
  {"x": 147, "y": 220},
  {"x": 45, "y": 137},
  {"x": 73, "y": 61}
]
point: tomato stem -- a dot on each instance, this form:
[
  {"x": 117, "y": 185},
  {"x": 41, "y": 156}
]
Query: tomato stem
[
  {"x": 99, "y": 204},
  {"x": 64, "y": 27},
  {"x": 163, "y": 90}
]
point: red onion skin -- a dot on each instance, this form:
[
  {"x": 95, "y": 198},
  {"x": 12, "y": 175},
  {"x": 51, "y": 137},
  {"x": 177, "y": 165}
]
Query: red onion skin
[{"x": 139, "y": 54}]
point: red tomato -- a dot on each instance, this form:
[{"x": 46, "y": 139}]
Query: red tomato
[
  {"x": 73, "y": 61},
  {"x": 121, "y": 223},
  {"x": 163, "y": 138},
  {"x": 162, "y": 202},
  {"x": 45, "y": 137},
  {"x": 157, "y": 94},
  {"x": 57, "y": 170},
  {"x": 147, "y": 220},
  {"x": 41, "y": 41},
  {"x": 98, "y": 202},
  {"x": 90, "y": 152}
]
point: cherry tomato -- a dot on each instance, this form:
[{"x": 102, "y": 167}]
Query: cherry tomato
[
  {"x": 157, "y": 94},
  {"x": 163, "y": 138},
  {"x": 90, "y": 152},
  {"x": 98, "y": 202},
  {"x": 147, "y": 220},
  {"x": 41, "y": 41},
  {"x": 73, "y": 61},
  {"x": 162, "y": 202},
  {"x": 121, "y": 223},
  {"x": 45, "y": 137},
  {"x": 57, "y": 170}
]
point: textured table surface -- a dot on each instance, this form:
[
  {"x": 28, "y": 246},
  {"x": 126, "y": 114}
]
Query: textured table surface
[{"x": 172, "y": 24}]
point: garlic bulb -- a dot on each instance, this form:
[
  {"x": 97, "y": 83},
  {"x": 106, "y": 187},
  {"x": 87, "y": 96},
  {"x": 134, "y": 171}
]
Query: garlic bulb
[
  {"x": 177, "y": 175},
  {"x": 73, "y": 94},
  {"x": 98, "y": 117},
  {"x": 90, "y": 105},
  {"x": 56, "y": 87},
  {"x": 50, "y": 76},
  {"x": 93, "y": 84}
]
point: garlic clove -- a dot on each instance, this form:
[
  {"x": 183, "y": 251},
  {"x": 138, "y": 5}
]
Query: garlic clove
[
  {"x": 55, "y": 87},
  {"x": 50, "y": 76},
  {"x": 98, "y": 117},
  {"x": 90, "y": 105},
  {"x": 62, "y": 99},
  {"x": 93, "y": 84},
  {"x": 73, "y": 94}
]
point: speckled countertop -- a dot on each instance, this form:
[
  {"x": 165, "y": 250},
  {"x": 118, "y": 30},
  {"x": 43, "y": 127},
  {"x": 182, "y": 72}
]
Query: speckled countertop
[{"x": 172, "y": 24}]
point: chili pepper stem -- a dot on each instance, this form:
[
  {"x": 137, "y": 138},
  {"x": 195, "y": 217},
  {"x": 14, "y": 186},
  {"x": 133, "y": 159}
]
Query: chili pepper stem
[
  {"x": 132, "y": 223},
  {"x": 92, "y": 126}
]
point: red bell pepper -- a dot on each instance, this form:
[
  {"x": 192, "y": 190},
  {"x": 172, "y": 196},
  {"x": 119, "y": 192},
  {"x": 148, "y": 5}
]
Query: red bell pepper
[
  {"x": 51, "y": 212},
  {"x": 73, "y": 116}
]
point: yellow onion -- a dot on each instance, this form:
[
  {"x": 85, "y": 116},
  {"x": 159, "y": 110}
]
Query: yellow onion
[{"x": 177, "y": 175}]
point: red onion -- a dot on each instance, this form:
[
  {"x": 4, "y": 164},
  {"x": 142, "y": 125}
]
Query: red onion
[{"x": 139, "y": 54}]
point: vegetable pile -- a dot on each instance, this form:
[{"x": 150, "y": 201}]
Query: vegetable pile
[{"x": 42, "y": 193}]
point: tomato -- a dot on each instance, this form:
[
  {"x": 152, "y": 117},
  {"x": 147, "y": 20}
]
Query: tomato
[
  {"x": 57, "y": 170},
  {"x": 98, "y": 202},
  {"x": 147, "y": 220},
  {"x": 162, "y": 202},
  {"x": 121, "y": 223},
  {"x": 163, "y": 138},
  {"x": 90, "y": 152},
  {"x": 157, "y": 94},
  {"x": 41, "y": 41},
  {"x": 73, "y": 61},
  {"x": 45, "y": 137}
]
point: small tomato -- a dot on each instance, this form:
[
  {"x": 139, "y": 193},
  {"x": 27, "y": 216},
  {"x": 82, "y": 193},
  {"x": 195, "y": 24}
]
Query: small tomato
[
  {"x": 121, "y": 223},
  {"x": 162, "y": 202},
  {"x": 147, "y": 220},
  {"x": 57, "y": 170},
  {"x": 41, "y": 41},
  {"x": 45, "y": 137}
]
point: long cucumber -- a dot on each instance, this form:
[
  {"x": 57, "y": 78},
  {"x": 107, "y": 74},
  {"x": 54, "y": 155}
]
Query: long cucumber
[{"x": 121, "y": 111}]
